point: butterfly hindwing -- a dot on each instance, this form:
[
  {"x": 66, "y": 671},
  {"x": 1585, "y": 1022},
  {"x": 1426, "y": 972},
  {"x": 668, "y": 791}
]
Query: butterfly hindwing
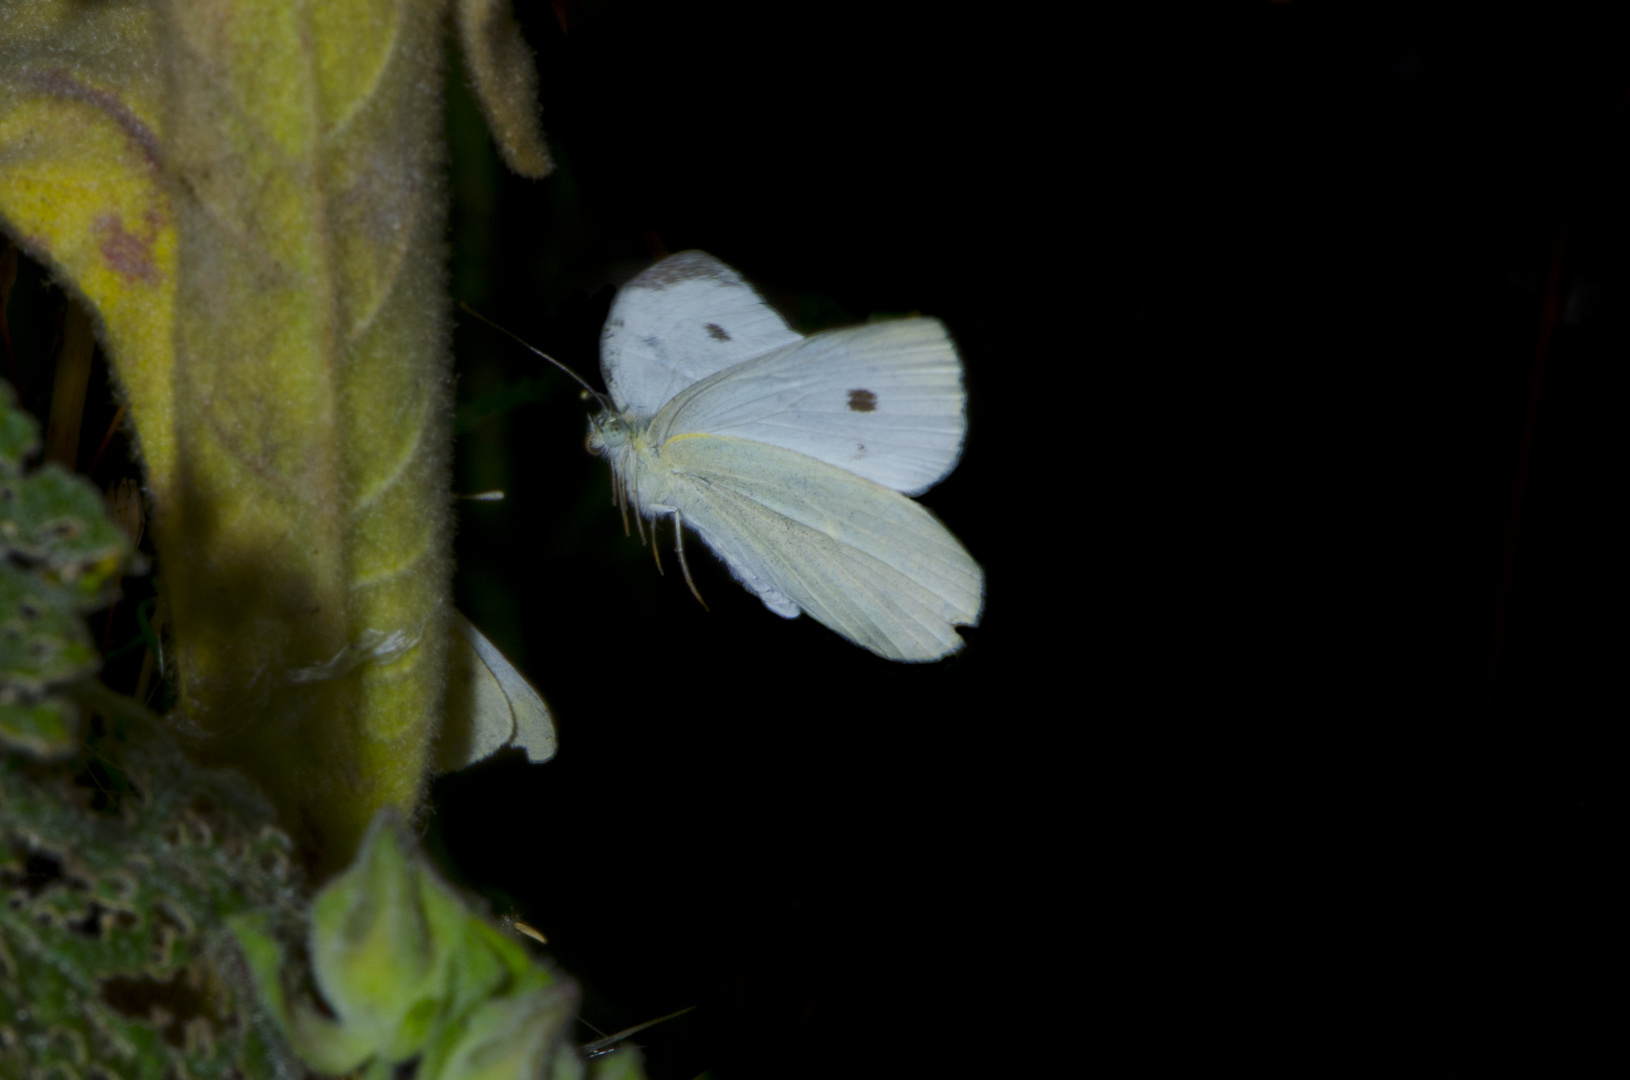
[
  {"x": 490, "y": 705},
  {"x": 866, "y": 561}
]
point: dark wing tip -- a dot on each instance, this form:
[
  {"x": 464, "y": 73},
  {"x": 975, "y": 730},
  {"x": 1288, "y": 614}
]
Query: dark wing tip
[{"x": 685, "y": 266}]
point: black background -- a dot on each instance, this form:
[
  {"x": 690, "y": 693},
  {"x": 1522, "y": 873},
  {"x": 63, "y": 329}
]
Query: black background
[
  {"x": 840, "y": 860},
  {"x": 1252, "y": 308},
  {"x": 1284, "y": 734}
]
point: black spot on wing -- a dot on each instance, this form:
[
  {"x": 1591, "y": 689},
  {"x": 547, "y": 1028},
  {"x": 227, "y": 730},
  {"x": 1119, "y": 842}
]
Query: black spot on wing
[
  {"x": 717, "y": 332},
  {"x": 862, "y": 401}
]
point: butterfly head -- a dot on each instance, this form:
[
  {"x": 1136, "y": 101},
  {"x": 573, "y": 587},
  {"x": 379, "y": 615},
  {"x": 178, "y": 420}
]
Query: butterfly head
[{"x": 608, "y": 432}]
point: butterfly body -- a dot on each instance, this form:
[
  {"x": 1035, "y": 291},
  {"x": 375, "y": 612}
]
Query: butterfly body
[{"x": 793, "y": 456}]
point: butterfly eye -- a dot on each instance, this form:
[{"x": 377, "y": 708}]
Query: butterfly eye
[{"x": 597, "y": 439}]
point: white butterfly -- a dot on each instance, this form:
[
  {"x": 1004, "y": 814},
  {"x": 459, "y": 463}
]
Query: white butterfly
[
  {"x": 490, "y": 705},
  {"x": 792, "y": 456}
]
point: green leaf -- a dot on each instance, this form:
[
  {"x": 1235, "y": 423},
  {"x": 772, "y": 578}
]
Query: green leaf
[
  {"x": 249, "y": 196},
  {"x": 60, "y": 557},
  {"x": 407, "y": 970},
  {"x": 45, "y": 729},
  {"x": 382, "y": 935},
  {"x": 19, "y": 434},
  {"x": 43, "y": 641},
  {"x": 506, "y": 82},
  {"x": 113, "y": 958},
  {"x": 83, "y": 189},
  {"x": 57, "y": 524},
  {"x": 505, "y": 1038}
]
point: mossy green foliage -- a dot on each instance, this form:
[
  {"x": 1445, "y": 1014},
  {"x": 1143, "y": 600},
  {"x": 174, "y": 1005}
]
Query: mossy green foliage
[
  {"x": 116, "y": 869},
  {"x": 60, "y": 557},
  {"x": 408, "y": 972}
]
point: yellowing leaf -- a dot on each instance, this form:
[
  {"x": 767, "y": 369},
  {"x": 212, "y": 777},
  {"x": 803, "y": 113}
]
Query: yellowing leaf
[
  {"x": 250, "y": 197},
  {"x": 506, "y": 84},
  {"x": 81, "y": 184}
]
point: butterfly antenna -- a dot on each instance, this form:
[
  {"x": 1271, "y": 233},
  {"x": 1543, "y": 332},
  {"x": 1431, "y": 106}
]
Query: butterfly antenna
[
  {"x": 679, "y": 546},
  {"x": 604, "y": 401}
]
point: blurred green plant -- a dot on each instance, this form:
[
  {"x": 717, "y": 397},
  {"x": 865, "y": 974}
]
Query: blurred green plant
[
  {"x": 117, "y": 868},
  {"x": 247, "y": 199},
  {"x": 409, "y": 973},
  {"x": 60, "y": 557}
]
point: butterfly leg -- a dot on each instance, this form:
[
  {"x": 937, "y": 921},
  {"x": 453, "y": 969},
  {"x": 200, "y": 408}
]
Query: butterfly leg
[
  {"x": 639, "y": 528},
  {"x": 679, "y": 546},
  {"x": 619, "y": 500}
]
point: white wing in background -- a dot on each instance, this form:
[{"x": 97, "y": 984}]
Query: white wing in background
[
  {"x": 883, "y": 401},
  {"x": 678, "y": 322},
  {"x": 861, "y": 559},
  {"x": 490, "y": 705}
]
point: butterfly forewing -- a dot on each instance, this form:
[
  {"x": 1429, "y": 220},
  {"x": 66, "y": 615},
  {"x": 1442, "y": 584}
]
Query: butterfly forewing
[
  {"x": 883, "y": 401},
  {"x": 685, "y": 318}
]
